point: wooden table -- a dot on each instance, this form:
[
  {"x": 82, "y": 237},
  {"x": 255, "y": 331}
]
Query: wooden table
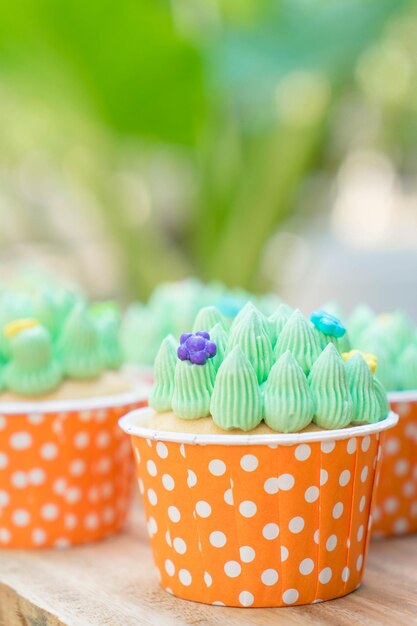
[{"x": 114, "y": 584}]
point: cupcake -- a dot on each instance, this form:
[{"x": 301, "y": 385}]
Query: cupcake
[
  {"x": 392, "y": 337},
  {"x": 66, "y": 467},
  {"x": 257, "y": 460}
]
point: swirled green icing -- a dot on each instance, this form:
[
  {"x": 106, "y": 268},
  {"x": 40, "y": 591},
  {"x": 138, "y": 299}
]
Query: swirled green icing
[
  {"x": 254, "y": 342},
  {"x": 407, "y": 368},
  {"x": 288, "y": 402},
  {"x": 32, "y": 369},
  {"x": 193, "y": 385},
  {"x": 328, "y": 383},
  {"x": 298, "y": 337},
  {"x": 344, "y": 343},
  {"x": 248, "y": 311},
  {"x": 399, "y": 328},
  {"x": 361, "y": 318},
  {"x": 236, "y": 401},
  {"x": 323, "y": 339},
  {"x": 108, "y": 326},
  {"x": 362, "y": 390},
  {"x": 382, "y": 399},
  {"x": 376, "y": 341},
  {"x": 220, "y": 338},
  {"x": 140, "y": 335},
  {"x": 51, "y": 308},
  {"x": 208, "y": 317},
  {"x": 277, "y": 321},
  {"x": 162, "y": 391},
  {"x": 79, "y": 348}
]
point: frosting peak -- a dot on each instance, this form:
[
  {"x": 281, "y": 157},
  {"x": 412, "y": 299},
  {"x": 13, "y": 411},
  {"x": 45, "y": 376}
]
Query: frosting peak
[
  {"x": 164, "y": 373},
  {"x": 79, "y": 347},
  {"x": 254, "y": 342},
  {"x": 298, "y": 337}
]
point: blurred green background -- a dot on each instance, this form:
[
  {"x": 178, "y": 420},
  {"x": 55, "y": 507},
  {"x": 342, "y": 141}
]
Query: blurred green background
[{"x": 268, "y": 144}]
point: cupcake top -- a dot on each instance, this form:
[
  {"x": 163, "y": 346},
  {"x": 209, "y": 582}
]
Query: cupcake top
[
  {"x": 392, "y": 337},
  {"x": 284, "y": 371},
  {"x": 51, "y": 341}
]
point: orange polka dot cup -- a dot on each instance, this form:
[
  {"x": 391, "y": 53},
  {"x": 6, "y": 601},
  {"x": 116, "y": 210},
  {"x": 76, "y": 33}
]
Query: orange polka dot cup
[
  {"x": 66, "y": 470},
  {"x": 261, "y": 520},
  {"x": 395, "y": 511}
]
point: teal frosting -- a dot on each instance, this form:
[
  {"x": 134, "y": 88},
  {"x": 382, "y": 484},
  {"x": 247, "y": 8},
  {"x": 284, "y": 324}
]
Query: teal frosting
[
  {"x": 344, "y": 343},
  {"x": 277, "y": 321},
  {"x": 298, "y": 337},
  {"x": 381, "y": 395},
  {"x": 407, "y": 367},
  {"x": 79, "y": 347},
  {"x": 208, "y": 317},
  {"x": 236, "y": 401},
  {"x": 328, "y": 383},
  {"x": 251, "y": 337},
  {"x": 220, "y": 338},
  {"x": 288, "y": 402},
  {"x": 366, "y": 404},
  {"x": 32, "y": 370},
  {"x": 164, "y": 374},
  {"x": 193, "y": 386}
]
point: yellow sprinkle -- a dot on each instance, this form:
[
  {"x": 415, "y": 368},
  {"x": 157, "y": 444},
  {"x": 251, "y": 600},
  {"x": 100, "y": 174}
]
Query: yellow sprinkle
[
  {"x": 14, "y": 328},
  {"x": 370, "y": 359}
]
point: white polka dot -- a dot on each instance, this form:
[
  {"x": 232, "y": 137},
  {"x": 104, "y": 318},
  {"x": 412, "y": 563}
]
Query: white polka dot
[
  {"x": 49, "y": 512},
  {"x": 327, "y": 446},
  {"x": 73, "y": 495},
  {"x": 179, "y": 545},
  {"x": 4, "y": 536},
  {"x": 152, "y": 526},
  {"x": 203, "y": 508},
  {"x": 81, "y": 440},
  {"x": 316, "y": 536},
  {"x": 168, "y": 482},
  {"x": 325, "y": 575},
  {"x": 91, "y": 521},
  {"x": 409, "y": 489},
  {"x": 36, "y": 476},
  {"x": 302, "y": 452},
  {"x": 337, "y": 510},
  {"x": 400, "y": 525},
  {"x": 311, "y": 494},
  {"x": 284, "y": 553},
  {"x": 208, "y": 579},
  {"x": 270, "y": 531},
  {"x": 152, "y": 497},
  {"x": 77, "y": 467},
  {"x": 38, "y": 536},
  {"x": 247, "y": 508},
  {"x": 359, "y": 535},
  {"x": 290, "y": 596},
  {"x": 4, "y": 498},
  {"x": 269, "y": 577},
  {"x": 271, "y": 485},
  {"x": 36, "y": 418},
  {"x": 70, "y": 521},
  {"x": 217, "y": 539},
  {"x": 103, "y": 439},
  {"x": 401, "y": 467},
  {"x": 331, "y": 543},
  {"x": 174, "y": 514},
  {"x": 151, "y": 467},
  {"x": 345, "y": 574},
  {"x": 182, "y": 450},
  {"x": 247, "y": 554},
  {"x": 218, "y": 603},
  {"x": 185, "y": 577},
  {"x": 286, "y": 482},
  {"x": 20, "y": 441},
  {"x": 4, "y": 461},
  {"x": 228, "y": 496},
  {"x": 161, "y": 450},
  {"x": 364, "y": 474},
  {"x": 3, "y": 422},
  {"x": 246, "y": 598},
  {"x": 249, "y": 462},
  {"x": 324, "y": 477},
  {"x": 21, "y": 518},
  {"x": 351, "y": 446},
  {"x": 141, "y": 486},
  {"x": 296, "y": 524},
  {"x": 306, "y": 566},
  {"x": 359, "y": 562},
  {"x": 232, "y": 569},
  {"x": 344, "y": 478},
  {"x": 392, "y": 445},
  {"x": 19, "y": 480},
  {"x": 362, "y": 504},
  {"x": 366, "y": 442},
  {"x": 191, "y": 479},
  {"x": 217, "y": 467},
  {"x": 49, "y": 451}
]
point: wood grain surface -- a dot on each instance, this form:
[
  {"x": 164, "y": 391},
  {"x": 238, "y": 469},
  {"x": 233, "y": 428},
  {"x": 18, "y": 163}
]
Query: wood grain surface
[{"x": 114, "y": 584}]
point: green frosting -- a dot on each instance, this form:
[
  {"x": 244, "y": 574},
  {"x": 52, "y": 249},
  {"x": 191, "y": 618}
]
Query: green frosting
[
  {"x": 400, "y": 330},
  {"x": 254, "y": 342},
  {"x": 220, "y": 338},
  {"x": 407, "y": 367},
  {"x": 33, "y": 370},
  {"x": 376, "y": 341},
  {"x": 298, "y": 337},
  {"x": 208, "y": 317},
  {"x": 381, "y": 395},
  {"x": 140, "y": 335},
  {"x": 162, "y": 391},
  {"x": 361, "y": 318},
  {"x": 108, "y": 326},
  {"x": 246, "y": 312},
  {"x": 79, "y": 348},
  {"x": 51, "y": 308},
  {"x": 236, "y": 401},
  {"x": 277, "y": 321},
  {"x": 193, "y": 385},
  {"x": 362, "y": 390},
  {"x": 288, "y": 402},
  {"x": 344, "y": 343},
  {"x": 323, "y": 340},
  {"x": 328, "y": 383}
]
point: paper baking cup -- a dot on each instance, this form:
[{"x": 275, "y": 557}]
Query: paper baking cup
[
  {"x": 66, "y": 470},
  {"x": 261, "y": 520},
  {"x": 395, "y": 511}
]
